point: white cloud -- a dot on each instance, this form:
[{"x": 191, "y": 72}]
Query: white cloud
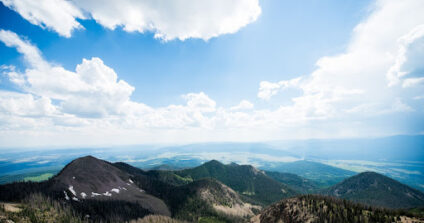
[
  {"x": 200, "y": 102},
  {"x": 399, "y": 106},
  {"x": 91, "y": 91},
  {"x": 357, "y": 80},
  {"x": 92, "y": 83},
  {"x": 18, "y": 104},
  {"x": 167, "y": 19},
  {"x": 419, "y": 97},
  {"x": 193, "y": 114},
  {"x": 57, "y": 15},
  {"x": 30, "y": 52},
  {"x": 268, "y": 89},
  {"x": 409, "y": 59},
  {"x": 243, "y": 105},
  {"x": 410, "y": 82}
]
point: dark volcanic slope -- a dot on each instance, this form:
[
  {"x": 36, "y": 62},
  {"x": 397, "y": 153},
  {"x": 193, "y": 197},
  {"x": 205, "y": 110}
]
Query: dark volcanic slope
[
  {"x": 245, "y": 179},
  {"x": 375, "y": 189},
  {"x": 91, "y": 178}
]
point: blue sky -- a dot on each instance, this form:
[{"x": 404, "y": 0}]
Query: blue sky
[
  {"x": 284, "y": 42},
  {"x": 283, "y": 61}
]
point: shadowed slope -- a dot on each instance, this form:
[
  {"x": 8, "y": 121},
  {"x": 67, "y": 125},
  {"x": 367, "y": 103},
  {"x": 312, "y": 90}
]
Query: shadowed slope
[{"x": 91, "y": 178}]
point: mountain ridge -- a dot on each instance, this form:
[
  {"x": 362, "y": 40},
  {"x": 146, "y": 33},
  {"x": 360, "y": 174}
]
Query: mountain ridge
[
  {"x": 91, "y": 178},
  {"x": 211, "y": 192},
  {"x": 245, "y": 179},
  {"x": 376, "y": 189},
  {"x": 315, "y": 208}
]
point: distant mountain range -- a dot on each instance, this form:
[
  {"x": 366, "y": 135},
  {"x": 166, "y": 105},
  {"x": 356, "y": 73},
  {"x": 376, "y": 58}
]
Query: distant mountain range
[
  {"x": 399, "y": 157},
  {"x": 97, "y": 190}
]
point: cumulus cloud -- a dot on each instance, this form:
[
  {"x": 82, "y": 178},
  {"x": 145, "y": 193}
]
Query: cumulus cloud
[
  {"x": 243, "y": 105},
  {"x": 91, "y": 83},
  {"x": 268, "y": 89},
  {"x": 358, "y": 80},
  {"x": 57, "y": 15},
  {"x": 200, "y": 102},
  {"x": 30, "y": 52},
  {"x": 408, "y": 65},
  {"x": 167, "y": 19},
  {"x": 18, "y": 104},
  {"x": 92, "y": 94}
]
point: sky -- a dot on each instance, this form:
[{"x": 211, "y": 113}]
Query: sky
[{"x": 88, "y": 73}]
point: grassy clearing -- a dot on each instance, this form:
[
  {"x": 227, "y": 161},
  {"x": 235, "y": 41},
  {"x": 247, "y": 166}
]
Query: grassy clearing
[{"x": 42, "y": 177}]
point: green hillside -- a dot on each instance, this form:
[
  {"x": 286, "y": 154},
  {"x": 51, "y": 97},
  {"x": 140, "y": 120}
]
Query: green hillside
[
  {"x": 378, "y": 190},
  {"x": 294, "y": 181},
  {"x": 244, "y": 179}
]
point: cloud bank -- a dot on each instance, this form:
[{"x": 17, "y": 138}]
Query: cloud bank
[
  {"x": 167, "y": 19},
  {"x": 367, "y": 79}
]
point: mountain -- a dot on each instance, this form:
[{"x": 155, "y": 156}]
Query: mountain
[
  {"x": 190, "y": 200},
  {"x": 378, "y": 190},
  {"x": 104, "y": 180},
  {"x": 314, "y": 208},
  {"x": 86, "y": 187},
  {"x": 209, "y": 198},
  {"x": 119, "y": 192},
  {"x": 94, "y": 190},
  {"x": 89, "y": 177},
  {"x": 294, "y": 181},
  {"x": 322, "y": 174},
  {"x": 245, "y": 179}
]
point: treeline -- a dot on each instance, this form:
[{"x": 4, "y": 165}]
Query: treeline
[
  {"x": 37, "y": 208},
  {"x": 244, "y": 179},
  {"x": 19, "y": 191},
  {"x": 40, "y": 195},
  {"x": 329, "y": 209},
  {"x": 181, "y": 200},
  {"x": 109, "y": 210},
  {"x": 156, "y": 219},
  {"x": 317, "y": 208}
]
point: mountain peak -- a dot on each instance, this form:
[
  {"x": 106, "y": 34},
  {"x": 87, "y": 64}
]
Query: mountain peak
[
  {"x": 213, "y": 162},
  {"x": 88, "y": 165},
  {"x": 370, "y": 173},
  {"x": 376, "y": 189},
  {"x": 91, "y": 178},
  {"x": 89, "y": 157},
  {"x": 244, "y": 179},
  {"x": 372, "y": 179}
]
